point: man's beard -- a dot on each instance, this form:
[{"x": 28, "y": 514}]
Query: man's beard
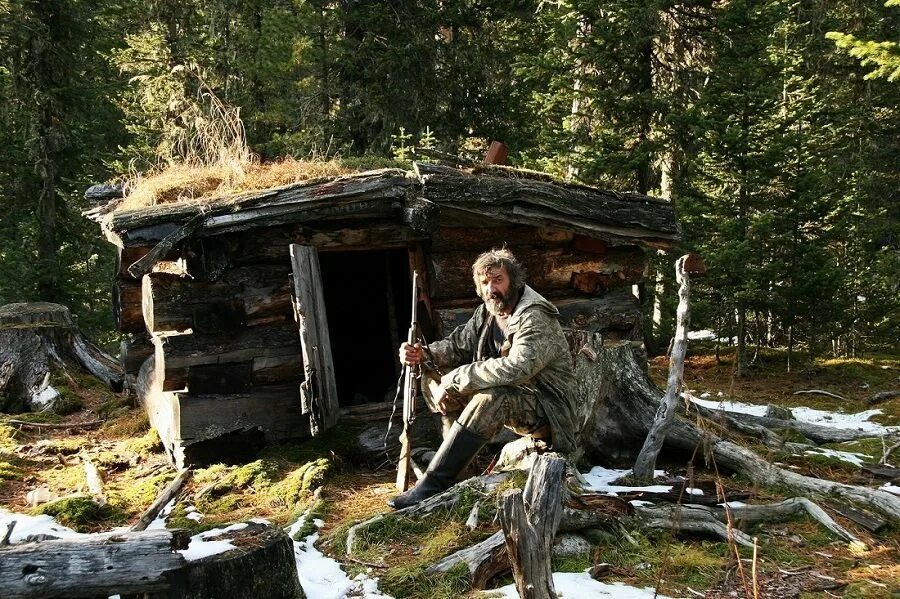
[{"x": 498, "y": 304}]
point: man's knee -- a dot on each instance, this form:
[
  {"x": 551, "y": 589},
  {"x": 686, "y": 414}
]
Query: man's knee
[{"x": 486, "y": 412}]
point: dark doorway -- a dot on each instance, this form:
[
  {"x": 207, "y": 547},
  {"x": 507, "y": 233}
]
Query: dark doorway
[{"x": 367, "y": 302}]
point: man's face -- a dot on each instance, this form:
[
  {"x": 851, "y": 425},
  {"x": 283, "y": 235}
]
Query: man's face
[{"x": 495, "y": 291}]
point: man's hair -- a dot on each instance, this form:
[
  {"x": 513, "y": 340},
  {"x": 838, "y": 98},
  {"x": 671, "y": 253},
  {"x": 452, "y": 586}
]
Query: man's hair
[{"x": 499, "y": 257}]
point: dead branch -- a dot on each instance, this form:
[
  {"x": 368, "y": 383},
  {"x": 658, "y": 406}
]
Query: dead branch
[
  {"x": 820, "y": 392},
  {"x": 646, "y": 460},
  {"x": 691, "y": 519},
  {"x": 52, "y": 425},
  {"x": 156, "y": 507},
  {"x": 783, "y": 510},
  {"x": 9, "y": 529},
  {"x": 447, "y": 499}
]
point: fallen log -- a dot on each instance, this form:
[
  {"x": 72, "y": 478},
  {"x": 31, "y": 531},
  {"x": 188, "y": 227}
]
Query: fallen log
[
  {"x": 692, "y": 519},
  {"x": 814, "y": 432},
  {"x": 98, "y": 565}
]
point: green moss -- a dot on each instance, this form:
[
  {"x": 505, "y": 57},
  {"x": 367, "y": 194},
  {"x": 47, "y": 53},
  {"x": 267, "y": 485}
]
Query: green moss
[
  {"x": 67, "y": 402},
  {"x": 81, "y": 513},
  {"x": 7, "y": 437},
  {"x": 129, "y": 424},
  {"x": 572, "y": 563},
  {"x": 9, "y": 471},
  {"x": 792, "y": 435},
  {"x": 135, "y": 496},
  {"x": 178, "y": 520},
  {"x": 220, "y": 505},
  {"x": 861, "y": 590},
  {"x": 66, "y": 446},
  {"x": 260, "y": 474},
  {"x": 40, "y": 417},
  {"x": 148, "y": 444},
  {"x": 873, "y": 446},
  {"x": 301, "y": 482},
  {"x": 114, "y": 405},
  {"x": 412, "y": 582}
]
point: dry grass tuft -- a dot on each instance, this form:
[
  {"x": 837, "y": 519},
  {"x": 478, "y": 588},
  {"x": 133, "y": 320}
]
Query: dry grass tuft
[{"x": 185, "y": 183}]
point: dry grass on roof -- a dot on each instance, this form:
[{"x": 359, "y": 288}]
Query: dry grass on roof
[{"x": 183, "y": 183}]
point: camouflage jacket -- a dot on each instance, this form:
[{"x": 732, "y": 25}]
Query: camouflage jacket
[{"x": 535, "y": 355}]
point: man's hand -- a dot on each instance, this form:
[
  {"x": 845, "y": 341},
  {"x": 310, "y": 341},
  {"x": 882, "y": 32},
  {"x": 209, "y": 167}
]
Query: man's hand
[{"x": 411, "y": 354}]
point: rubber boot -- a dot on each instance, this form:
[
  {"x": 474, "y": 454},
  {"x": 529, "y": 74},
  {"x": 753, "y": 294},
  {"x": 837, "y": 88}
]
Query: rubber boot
[{"x": 456, "y": 452}]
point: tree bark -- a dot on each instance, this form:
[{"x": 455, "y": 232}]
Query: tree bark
[
  {"x": 646, "y": 460},
  {"x": 530, "y": 520},
  {"x": 99, "y": 565}
]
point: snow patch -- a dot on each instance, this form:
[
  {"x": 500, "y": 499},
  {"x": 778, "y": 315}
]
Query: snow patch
[
  {"x": 846, "y": 456},
  {"x": 858, "y": 421},
  {"x": 891, "y": 488},
  {"x": 44, "y": 398},
  {"x": 322, "y": 577},
  {"x": 34, "y": 525},
  {"x": 582, "y": 586},
  {"x": 206, "y": 543},
  {"x": 159, "y": 523},
  {"x": 600, "y": 479}
]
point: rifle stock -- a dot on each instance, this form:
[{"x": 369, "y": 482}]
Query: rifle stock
[{"x": 410, "y": 392}]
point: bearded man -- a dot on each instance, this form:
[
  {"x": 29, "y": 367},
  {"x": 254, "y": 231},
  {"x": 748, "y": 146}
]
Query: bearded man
[{"x": 509, "y": 365}]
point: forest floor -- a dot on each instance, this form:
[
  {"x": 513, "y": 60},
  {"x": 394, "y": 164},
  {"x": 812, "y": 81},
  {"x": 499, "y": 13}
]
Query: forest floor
[{"x": 794, "y": 559}]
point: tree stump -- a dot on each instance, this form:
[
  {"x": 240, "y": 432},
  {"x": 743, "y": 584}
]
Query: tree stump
[
  {"x": 36, "y": 338},
  {"x": 530, "y": 520},
  {"x": 261, "y": 565}
]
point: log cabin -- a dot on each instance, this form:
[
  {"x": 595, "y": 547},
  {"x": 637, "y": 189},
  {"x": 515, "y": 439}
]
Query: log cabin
[{"x": 271, "y": 315}]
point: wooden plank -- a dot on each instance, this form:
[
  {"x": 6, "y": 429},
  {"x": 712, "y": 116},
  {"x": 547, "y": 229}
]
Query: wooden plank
[
  {"x": 478, "y": 239},
  {"x": 133, "y": 352},
  {"x": 277, "y": 369},
  {"x": 275, "y": 409},
  {"x": 319, "y": 390},
  {"x": 161, "y": 406},
  {"x": 867, "y": 520},
  {"x": 221, "y": 378},
  {"x": 381, "y": 183},
  {"x": 251, "y": 295},
  {"x": 166, "y": 245},
  {"x": 581, "y": 209},
  {"x": 174, "y": 355},
  {"x": 497, "y": 153},
  {"x": 99, "y": 565},
  {"x": 128, "y": 255}
]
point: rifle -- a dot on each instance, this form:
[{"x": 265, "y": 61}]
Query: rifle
[{"x": 410, "y": 392}]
